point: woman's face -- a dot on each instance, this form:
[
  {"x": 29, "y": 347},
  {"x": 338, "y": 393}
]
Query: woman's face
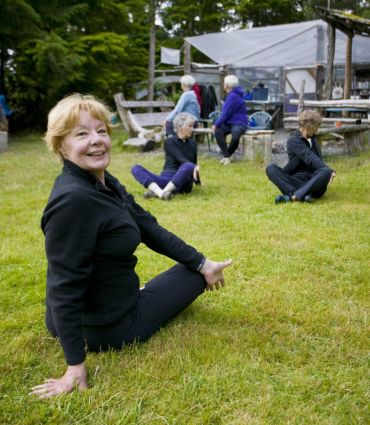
[
  {"x": 185, "y": 132},
  {"x": 311, "y": 130},
  {"x": 88, "y": 145}
]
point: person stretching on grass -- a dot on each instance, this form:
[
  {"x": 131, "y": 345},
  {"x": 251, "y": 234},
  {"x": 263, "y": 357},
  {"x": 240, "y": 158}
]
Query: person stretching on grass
[
  {"x": 92, "y": 228},
  {"x": 305, "y": 176},
  {"x": 180, "y": 168}
]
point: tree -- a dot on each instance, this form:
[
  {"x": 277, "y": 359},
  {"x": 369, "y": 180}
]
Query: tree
[
  {"x": 269, "y": 12},
  {"x": 13, "y": 15}
]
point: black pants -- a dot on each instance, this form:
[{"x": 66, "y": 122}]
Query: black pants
[
  {"x": 300, "y": 184},
  {"x": 236, "y": 132},
  {"x": 162, "y": 298}
]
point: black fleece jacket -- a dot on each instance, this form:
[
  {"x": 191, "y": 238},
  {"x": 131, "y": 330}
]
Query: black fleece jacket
[
  {"x": 91, "y": 234},
  {"x": 178, "y": 152},
  {"x": 303, "y": 158}
]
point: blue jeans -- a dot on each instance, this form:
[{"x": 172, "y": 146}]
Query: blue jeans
[{"x": 236, "y": 131}]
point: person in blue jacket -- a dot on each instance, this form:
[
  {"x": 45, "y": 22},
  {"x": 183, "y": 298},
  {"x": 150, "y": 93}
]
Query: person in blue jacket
[
  {"x": 188, "y": 102},
  {"x": 233, "y": 119}
]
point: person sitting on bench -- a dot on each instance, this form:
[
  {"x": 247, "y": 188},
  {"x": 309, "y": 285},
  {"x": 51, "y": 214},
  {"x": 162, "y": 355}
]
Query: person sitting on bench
[
  {"x": 306, "y": 175},
  {"x": 233, "y": 119},
  {"x": 180, "y": 168},
  {"x": 188, "y": 102}
]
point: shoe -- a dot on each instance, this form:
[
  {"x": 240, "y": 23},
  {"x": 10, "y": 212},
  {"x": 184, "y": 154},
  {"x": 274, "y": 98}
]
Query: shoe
[
  {"x": 197, "y": 181},
  {"x": 149, "y": 194},
  {"x": 279, "y": 199},
  {"x": 225, "y": 161},
  {"x": 167, "y": 196},
  {"x": 307, "y": 198}
]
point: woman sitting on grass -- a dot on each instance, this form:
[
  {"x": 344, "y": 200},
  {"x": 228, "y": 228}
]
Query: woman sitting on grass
[
  {"x": 306, "y": 175},
  {"x": 180, "y": 168},
  {"x": 92, "y": 228}
]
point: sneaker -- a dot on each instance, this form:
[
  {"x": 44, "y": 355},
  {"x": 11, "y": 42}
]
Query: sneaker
[
  {"x": 307, "y": 198},
  {"x": 167, "y": 196},
  {"x": 225, "y": 161},
  {"x": 149, "y": 194},
  {"x": 197, "y": 181},
  {"x": 279, "y": 199}
]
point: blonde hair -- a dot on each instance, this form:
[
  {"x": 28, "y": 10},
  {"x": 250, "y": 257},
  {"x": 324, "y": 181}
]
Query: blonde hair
[
  {"x": 65, "y": 116},
  {"x": 309, "y": 119}
]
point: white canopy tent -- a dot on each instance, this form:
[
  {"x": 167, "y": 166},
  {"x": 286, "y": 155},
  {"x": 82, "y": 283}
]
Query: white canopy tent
[{"x": 288, "y": 45}]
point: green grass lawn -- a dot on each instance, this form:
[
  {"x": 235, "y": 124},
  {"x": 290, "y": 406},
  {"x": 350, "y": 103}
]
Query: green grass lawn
[{"x": 285, "y": 342}]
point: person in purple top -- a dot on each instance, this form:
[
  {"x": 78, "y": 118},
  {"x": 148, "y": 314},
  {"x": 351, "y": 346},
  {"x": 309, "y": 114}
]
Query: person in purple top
[{"x": 233, "y": 119}]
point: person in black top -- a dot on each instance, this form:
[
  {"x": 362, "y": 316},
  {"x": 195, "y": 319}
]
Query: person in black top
[
  {"x": 306, "y": 175},
  {"x": 180, "y": 168},
  {"x": 92, "y": 228}
]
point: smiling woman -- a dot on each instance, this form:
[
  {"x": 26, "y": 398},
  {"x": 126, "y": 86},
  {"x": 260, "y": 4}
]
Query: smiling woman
[{"x": 92, "y": 228}]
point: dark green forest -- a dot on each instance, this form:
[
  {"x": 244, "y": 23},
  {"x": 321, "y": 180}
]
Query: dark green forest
[{"x": 49, "y": 48}]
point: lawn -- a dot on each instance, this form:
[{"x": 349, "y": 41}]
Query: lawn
[{"x": 285, "y": 342}]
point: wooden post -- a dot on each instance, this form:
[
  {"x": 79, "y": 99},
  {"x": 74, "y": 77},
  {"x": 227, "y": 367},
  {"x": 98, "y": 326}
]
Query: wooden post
[
  {"x": 301, "y": 98},
  {"x": 151, "y": 66},
  {"x": 348, "y": 68},
  {"x": 328, "y": 87},
  {"x": 187, "y": 58}
]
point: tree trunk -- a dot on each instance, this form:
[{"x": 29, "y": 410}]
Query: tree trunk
[
  {"x": 151, "y": 66},
  {"x": 348, "y": 68},
  {"x": 328, "y": 88},
  {"x": 187, "y": 58}
]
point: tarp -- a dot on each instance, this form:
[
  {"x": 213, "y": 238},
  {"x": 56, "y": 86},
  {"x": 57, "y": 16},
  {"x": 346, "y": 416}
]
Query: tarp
[{"x": 297, "y": 44}]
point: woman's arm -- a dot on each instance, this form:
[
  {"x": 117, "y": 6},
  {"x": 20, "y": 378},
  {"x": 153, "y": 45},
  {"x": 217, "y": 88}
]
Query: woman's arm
[
  {"x": 228, "y": 109},
  {"x": 297, "y": 146},
  {"x": 178, "y": 108},
  {"x": 70, "y": 226}
]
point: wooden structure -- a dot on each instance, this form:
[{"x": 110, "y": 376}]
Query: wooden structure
[
  {"x": 144, "y": 128},
  {"x": 3, "y": 141},
  {"x": 256, "y": 144},
  {"x": 350, "y": 25},
  {"x": 352, "y": 136}
]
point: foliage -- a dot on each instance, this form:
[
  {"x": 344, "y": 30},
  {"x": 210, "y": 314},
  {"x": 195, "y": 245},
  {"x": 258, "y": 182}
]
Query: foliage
[
  {"x": 285, "y": 342},
  {"x": 49, "y": 48},
  {"x": 269, "y": 12}
]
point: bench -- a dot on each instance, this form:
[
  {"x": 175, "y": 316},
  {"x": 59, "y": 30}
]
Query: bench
[
  {"x": 292, "y": 122},
  {"x": 353, "y": 136},
  {"x": 144, "y": 128},
  {"x": 256, "y": 144}
]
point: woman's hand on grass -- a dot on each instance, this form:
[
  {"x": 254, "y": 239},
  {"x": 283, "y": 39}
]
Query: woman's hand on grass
[
  {"x": 213, "y": 273},
  {"x": 74, "y": 378}
]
